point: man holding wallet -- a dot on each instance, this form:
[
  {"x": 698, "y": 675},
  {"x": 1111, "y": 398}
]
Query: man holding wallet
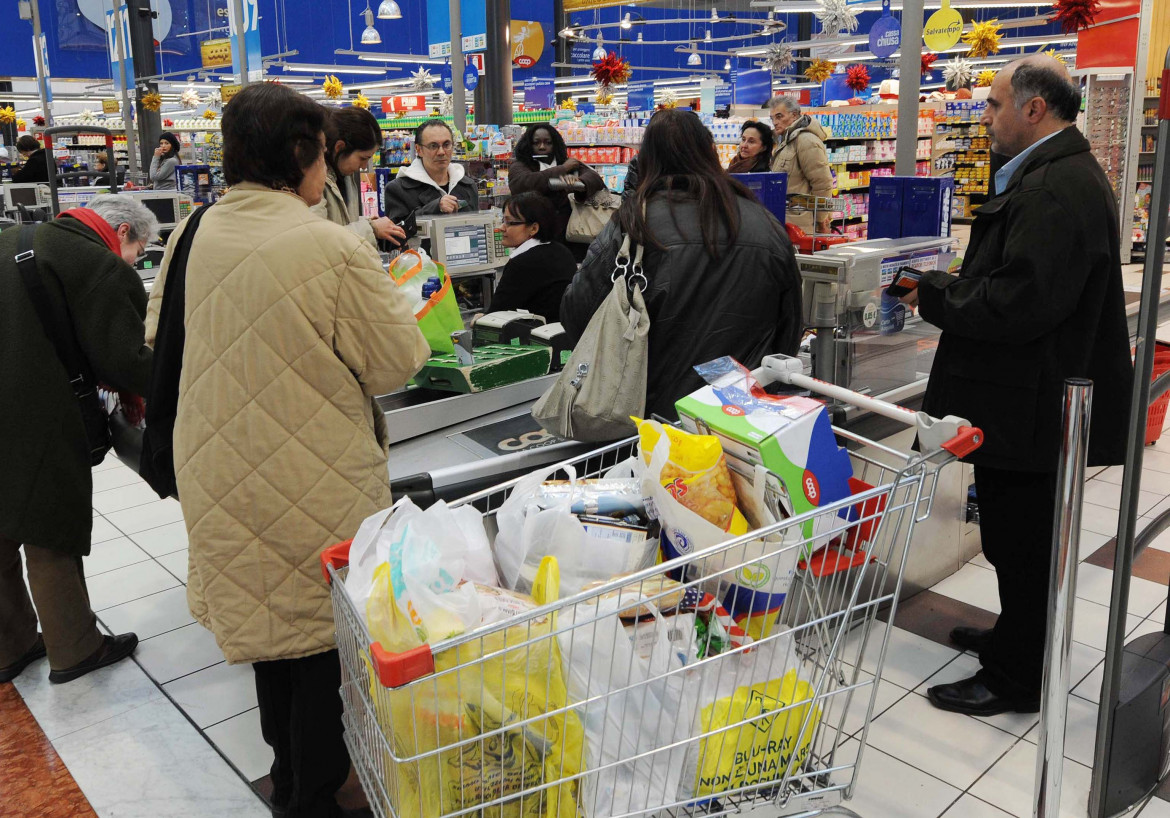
[{"x": 1039, "y": 299}]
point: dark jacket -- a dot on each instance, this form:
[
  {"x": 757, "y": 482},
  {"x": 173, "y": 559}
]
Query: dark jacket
[
  {"x": 1039, "y": 300},
  {"x": 631, "y": 183},
  {"x": 46, "y": 485},
  {"x": 535, "y": 281},
  {"x": 33, "y": 170},
  {"x": 761, "y": 164},
  {"x": 745, "y": 303},
  {"x": 523, "y": 177},
  {"x": 413, "y": 191}
]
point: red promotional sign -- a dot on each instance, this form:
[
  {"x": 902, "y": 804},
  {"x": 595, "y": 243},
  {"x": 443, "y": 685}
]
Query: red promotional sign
[
  {"x": 400, "y": 104},
  {"x": 524, "y": 61}
]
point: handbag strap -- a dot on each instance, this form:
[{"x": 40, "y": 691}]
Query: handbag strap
[
  {"x": 630, "y": 269},
  {"x": 57, "y": 331}
]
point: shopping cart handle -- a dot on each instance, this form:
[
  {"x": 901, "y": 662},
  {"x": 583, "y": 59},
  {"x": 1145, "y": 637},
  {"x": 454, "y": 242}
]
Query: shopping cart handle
[
  {"x": 335, "y": 555},
  {"x": 398, "y": 669}
]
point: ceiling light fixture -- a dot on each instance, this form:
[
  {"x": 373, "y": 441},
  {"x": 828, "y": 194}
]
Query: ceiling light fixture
[
  {"x": 370, "y": 35},
  {"x": 568, "y": 32},
  {"x": 639, "y": 36},
  {"x": 727, "y": 64},
  {"x": 627, "y": 23},
  {"x": 389, "y": 10},
  {"x": 599, "y": 52},
  {"x": 714, "y": 15},
  {"x": 694, "y": 59},
  {"x": 707, "y": 38}
]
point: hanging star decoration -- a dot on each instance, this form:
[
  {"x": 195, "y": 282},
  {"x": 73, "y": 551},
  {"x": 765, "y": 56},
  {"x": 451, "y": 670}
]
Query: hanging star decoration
[
  {"x": 214, "y": 98},
  {"x": 603, "y": 96},
  {"x": 928, "y": 63},
  {"x": 958, "y": 72},
  {"x": 86, "y": 116},
  {"x": 985, "y": 78},
  {"x": 819, "y": 70},
  {"x": 7, "y": 115},
  {"x": 332, "y": 87},
  {"x": 209, "y": 114},
  {"x": 39, "y": 121},
  {"x": 190, "y": 98},
  {"x": 569, "y": 104},
  {"x": 151, "y": 101},
  {"x": 21, "y": 125},
  {"x": 612, "y": 70},
  {"x": 168, "y": 123},
  {"x": 446, "y": 104},
  {"x": 836, "y": 16},
  {"x": 361, "y": 101},
  {"x": 1056, "y": 55},
  {"x": 983, "y": 39},
  {"x": 1073, "y": 15},
  {"x": 857, "y": 77},
  {"x": 669, "y": 98},
  {"x": 778, "y": 58},
  {"x": 422, "y": 80}
]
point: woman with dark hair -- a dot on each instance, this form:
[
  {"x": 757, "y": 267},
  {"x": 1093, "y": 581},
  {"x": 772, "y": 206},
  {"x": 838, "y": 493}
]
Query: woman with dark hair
[
  {"x": 722, "y": 277},
  {"x": 539, "y": 269},
  {"x": 164, "y": 162},
  {"x": 351, "y": 136},
  {"x": 434, "y": 184},
  {"x": 292, "y": 326},
  {"x": 543, "y": 165},
  {"x": 34, "y": 168},
  {"x": 755, "y": 149}
]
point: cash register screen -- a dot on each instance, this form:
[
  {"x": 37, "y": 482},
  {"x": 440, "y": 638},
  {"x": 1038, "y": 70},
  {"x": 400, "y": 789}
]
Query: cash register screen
[
  {"x": 466, "y": 244},
  {"x": 26, "y": 196},
  {"x": 163, "y": 210}
]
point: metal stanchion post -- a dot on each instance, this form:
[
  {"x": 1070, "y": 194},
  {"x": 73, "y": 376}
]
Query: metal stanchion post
[{"x": 1066, "y": 535}]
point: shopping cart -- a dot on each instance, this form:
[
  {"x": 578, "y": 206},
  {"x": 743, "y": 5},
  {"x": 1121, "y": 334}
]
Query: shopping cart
[{"x": 442, "y": 730}]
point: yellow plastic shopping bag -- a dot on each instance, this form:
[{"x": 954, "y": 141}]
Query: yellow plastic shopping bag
[{"x": 758, "y": 750}]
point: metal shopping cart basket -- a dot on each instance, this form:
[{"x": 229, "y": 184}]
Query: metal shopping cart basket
[{"x": 564, "y": 711}]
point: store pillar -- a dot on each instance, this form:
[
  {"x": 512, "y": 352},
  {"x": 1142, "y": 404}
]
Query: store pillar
[
  {"x": 909, "y": 83},
  {"x": 497, "y": 67},
  {"x": 142, "y": 49}
]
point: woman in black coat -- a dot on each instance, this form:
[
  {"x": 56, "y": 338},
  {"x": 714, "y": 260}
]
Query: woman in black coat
[
  {"x": 539, "y": 270},
  {"x": 543, "y": 166},
  {"x": 34, "y": 168},
  {"x": 721, "y": 270}
]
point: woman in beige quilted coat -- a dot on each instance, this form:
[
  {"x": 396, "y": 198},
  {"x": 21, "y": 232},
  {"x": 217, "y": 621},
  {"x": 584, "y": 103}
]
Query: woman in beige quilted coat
[{"x": 291, "y": 327}]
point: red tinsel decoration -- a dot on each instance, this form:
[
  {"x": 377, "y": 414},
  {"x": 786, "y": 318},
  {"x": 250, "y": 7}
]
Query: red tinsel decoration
[
  {"x": 167, "y": 123},
  {"x": 613, "y": 70},
  {"x": 1073, "y": 15},
  {"x": 39, "y": 121},
  {"x": 857, "y": 77},
  {"x": 928, "y": 63}
]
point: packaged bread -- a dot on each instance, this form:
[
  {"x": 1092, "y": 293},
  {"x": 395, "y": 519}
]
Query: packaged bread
[{"x": 659, "y": 590}]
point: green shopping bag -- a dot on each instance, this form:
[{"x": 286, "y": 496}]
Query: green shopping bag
[{"x": 439, "y": 316}]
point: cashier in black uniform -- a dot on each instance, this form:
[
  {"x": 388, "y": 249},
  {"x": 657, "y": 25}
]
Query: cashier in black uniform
[
  {"x": 539, "y": 269},
  {"x": 433, "y": 185},
  {"x": 34, "y": 168}
]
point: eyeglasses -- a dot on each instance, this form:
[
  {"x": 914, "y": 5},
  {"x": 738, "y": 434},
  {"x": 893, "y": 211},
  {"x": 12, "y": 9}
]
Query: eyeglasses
[
  {"x": 509, "y": 223},
  {"x": 435, "y": 147}
]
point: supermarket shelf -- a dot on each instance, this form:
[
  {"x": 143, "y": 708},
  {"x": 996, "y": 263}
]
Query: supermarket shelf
[
  {"x": 854, "y": 187},
  {"x": 867, "y": 138}
]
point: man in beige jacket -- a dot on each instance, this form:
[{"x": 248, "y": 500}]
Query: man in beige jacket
[{"x": 800, "y": 152}]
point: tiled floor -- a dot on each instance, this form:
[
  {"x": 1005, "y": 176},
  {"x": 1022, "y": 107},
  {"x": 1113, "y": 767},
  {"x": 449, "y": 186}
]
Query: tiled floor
[{"x": 176, "y": 731}]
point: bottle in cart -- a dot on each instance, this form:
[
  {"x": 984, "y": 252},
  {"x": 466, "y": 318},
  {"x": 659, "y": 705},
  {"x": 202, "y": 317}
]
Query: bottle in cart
[{"x": 431, "y": 287}]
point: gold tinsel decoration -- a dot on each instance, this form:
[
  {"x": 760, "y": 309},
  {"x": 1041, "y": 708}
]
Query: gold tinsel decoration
[
  {"x": 209, "y": 114},
  {"x": 569, "y": 104},
  {"x": 985, "y": 78},
  {"x": 151, "y": 101},
  {"x": 332, "y": 87},
  {"x": 1056, "y": 55},
  {"x": 983, "y": 39},
  {"x": 21, "y": 125},
  {"x": 7, "y": 115},
  {"x": 361, "y": 101},
  {"x": 604, "y": 96},
  {"x": 819, "y": 70}
]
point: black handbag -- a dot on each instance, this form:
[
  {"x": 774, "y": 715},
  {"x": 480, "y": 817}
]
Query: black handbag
[
  {"x": 60, "y": 333},
  {"x": 157, "y": 463}
]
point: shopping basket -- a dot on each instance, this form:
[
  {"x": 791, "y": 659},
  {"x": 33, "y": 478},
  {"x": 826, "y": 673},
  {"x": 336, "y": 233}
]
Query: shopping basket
[{"x": 442, "y": 731}]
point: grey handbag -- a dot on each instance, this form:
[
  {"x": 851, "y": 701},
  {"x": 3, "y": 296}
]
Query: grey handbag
[
  {"x": 604, "y": 381},
  {"x": 591, "y": 216}
]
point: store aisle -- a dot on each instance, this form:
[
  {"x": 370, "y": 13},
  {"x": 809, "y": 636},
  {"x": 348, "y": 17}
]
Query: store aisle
[{"x": 175, "y": 732}]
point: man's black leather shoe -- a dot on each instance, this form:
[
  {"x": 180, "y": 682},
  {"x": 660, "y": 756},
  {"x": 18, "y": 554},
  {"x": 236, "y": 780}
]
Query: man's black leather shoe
[
  {"x": 972, "y": 697},
  {"x": 113, "y": 649},
  {"x": 969, "y": 638},
  {"x": 37, "y": 651}
]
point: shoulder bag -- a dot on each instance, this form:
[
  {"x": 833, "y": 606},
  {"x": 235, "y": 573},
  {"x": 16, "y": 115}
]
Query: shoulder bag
[
  {"x": 60, "y": 334},
  {"x": 589, "y": 217},
  {"x": 157, "y": 465},
  {"x": 604, "y": 381}
]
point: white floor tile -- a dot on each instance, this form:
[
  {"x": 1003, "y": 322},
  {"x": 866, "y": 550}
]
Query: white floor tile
[
  {"x": 917, "y": 795},
  {"x": 1080, "y": 733},
  {"x": 110, "y": 461},
  {"x": 129, "y": 583},
  {"x": 150, "y": 515},
  {"x": 1091, "y": 623},
  {"x": 114, "y": 478},
  {"x": 176, "y": 563},
  {"x": 239, "y": 739},
  {"x": 1109, "y": 495},
  {"x": 950, "y": 746},
  {"x": 1091, "y": 542},
  {"x": 152, "y": 763},
  {"x": 888, "y": 694},
  {"x": 1098, "y": 518},
  {"x": 215, "y": 694},
  {"x": 1011, "y": 784},
  {"x": 103, "y": 694},
  {"x": 166, "y": 539},
  {"x": 135, "y": 494},
  {"x": 974, "y": 585},
  {"x": 964, "y": 667},
  {"x": 1156, "y": 509},
  {"x": 178, "y": 653},
  {"x": 981, "y": 561},
  {"x": 971, "y": 807},
  {"x": 1095, "y": 584},
  {"x": 150, "y": 615},
  {"x": 1153, "y": 480},
  {"x": 112, "y": 554},
  {"x": 1157, "y": 808},
  {"x": 909, "y": 659},
  {"x": 1156, "y": 460},
  {"x": 103, "y": 530}
]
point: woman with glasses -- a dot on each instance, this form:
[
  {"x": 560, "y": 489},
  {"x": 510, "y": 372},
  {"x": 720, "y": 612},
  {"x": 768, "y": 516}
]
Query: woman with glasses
[
  {"x": 543, "y": 165},
  {"x": 539, "y": 269},
  {"x": 433, "y": 185}
]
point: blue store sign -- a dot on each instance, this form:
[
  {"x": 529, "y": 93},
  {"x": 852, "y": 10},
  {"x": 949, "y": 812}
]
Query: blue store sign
[{"x": 470, "y": 77}]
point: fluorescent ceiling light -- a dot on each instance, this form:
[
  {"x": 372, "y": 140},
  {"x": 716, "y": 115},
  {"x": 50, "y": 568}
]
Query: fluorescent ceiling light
[
  {"x": 406, "y": 58},
  {"x": 334, "y": 69}
]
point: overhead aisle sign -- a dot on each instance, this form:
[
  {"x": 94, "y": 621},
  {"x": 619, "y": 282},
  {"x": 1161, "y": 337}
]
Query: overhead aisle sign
[{"x": 253, "y": 59}]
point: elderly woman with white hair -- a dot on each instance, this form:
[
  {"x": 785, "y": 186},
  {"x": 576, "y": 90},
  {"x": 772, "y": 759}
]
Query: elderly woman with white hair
[
  {"x": 800, "y": 152},
  {"x": 83, "y": 266}
]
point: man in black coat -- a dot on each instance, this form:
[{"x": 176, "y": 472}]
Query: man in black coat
[
  {"x": 46, "y": 486},
  {"x": 1039, "y": 299}
]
